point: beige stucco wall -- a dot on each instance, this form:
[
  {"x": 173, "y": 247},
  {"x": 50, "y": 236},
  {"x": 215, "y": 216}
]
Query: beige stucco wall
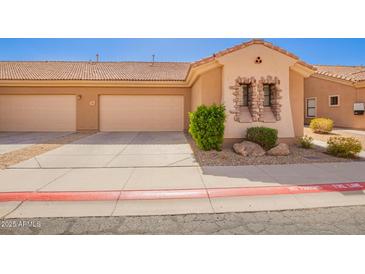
[
  {"x": 196, "y": 94},
  {"x": 341, "y": 115},
  {"x": 242, "y": 63},
  {"x": 87, "y": 112},
  {"x": 296, "y": 94},
  {"x": 207, "y": 89}
]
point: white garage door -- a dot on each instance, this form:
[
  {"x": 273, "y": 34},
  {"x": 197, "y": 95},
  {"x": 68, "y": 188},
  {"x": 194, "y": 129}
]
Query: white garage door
[
  {"x": 37, "y": 113},
  {"x": 141, "y": 113}
]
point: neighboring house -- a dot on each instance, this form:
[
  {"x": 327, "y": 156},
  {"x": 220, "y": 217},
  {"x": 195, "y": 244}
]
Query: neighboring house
[
  {"x": 333, "y": 92},
  {"x": 259, "y": 83}
]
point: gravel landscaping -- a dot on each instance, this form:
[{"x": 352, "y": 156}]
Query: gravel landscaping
[
  {"x": 20, "y": 155},
  {"x": 227, "y": 157}
]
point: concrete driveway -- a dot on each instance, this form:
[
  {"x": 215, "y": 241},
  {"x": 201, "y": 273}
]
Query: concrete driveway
[
  {"x": 10, "y": 141},
  {"x": 160, "y": 161},
  {"x": 118, "y": 149}
]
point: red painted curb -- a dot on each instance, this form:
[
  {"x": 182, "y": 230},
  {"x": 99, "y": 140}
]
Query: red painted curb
[
  {"x": 178, "y": 193},
  {"x": 282, "y": 190}
]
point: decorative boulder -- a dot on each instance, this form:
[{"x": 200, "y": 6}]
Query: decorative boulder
[
  {"x": 247, "y": 148},
  {"x": 280, "y": 150}
]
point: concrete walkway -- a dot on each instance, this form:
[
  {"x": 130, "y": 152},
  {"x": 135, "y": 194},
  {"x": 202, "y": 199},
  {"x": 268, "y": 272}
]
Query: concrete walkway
[
  {"x": 142, "y": 178},
  {"x": 350, "y": 131}
]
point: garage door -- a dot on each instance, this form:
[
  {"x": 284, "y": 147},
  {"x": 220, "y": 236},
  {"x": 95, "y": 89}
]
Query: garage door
[
  {"x": 37, "y": 113},
  {"x": 141, "y": 113}
]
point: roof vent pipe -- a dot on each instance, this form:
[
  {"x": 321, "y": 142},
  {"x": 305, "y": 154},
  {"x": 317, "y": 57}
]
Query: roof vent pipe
[
  {"x": 153, "y": 59},
  {"x": 97, "y": 57}
]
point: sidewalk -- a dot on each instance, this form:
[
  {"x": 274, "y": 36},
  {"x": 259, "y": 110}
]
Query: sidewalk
[
  {"x": 353, "y": 131},
  {"x": 174, "y": 178}
]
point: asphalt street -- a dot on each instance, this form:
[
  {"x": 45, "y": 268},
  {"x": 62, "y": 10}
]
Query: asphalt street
[{"x": 337, "y": 220}]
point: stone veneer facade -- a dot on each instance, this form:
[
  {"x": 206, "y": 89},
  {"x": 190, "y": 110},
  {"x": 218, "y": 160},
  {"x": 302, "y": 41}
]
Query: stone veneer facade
[{"x": 256, "y": 97}]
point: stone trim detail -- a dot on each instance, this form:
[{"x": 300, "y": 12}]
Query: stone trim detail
[
  {"x": 275, "y": 96},
  {"x": 258, "y": 103},
  {"x": 256, "y": 95},
  {"x": 238, "y": 95}
]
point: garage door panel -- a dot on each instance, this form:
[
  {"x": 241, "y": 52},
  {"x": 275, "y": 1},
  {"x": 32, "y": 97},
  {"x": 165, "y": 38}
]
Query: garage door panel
[
  {"x": 141, "y": 113},
  {"x": 37, "y": 113}
]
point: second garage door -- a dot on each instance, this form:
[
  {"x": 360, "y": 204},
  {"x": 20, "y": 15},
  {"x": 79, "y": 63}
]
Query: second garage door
[{"x": 141, "y": 113}]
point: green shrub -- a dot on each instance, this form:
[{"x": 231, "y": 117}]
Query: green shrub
[
  {"x": 306, "y": 141},
  {"x": 207, "y": 126},
  {"x": 265, "y": 137},
  {"x": 321, "y": 125},
  {"x": 344, "y": 146}
]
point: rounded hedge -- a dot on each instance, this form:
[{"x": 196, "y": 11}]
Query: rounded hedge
[
  {"x": 306, "y": 141},
  {"x": 321, "y": 125},
  {"x": 207, "y": 126},
  {"x": 346, "y": 147},
  {"x": 264, "y": 136}
]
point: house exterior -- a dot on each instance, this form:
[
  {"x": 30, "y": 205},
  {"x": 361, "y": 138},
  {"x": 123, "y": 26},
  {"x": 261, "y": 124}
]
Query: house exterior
[
  {"x": 259, "y": 83},
  {"x": 338, "y": 93}
]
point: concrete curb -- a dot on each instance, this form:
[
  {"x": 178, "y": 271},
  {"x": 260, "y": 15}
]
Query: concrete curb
[{"x": 179, "y": 193}]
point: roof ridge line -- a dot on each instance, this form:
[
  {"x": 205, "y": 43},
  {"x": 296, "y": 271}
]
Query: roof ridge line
[
  {"x": 247, "y": 44},
  {"x": 92, "y": 61}
]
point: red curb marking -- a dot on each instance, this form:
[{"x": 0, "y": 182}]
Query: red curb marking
[
  {"x": 163, "y": 194},
  {"x": 282, "y": 190},
  {"x": 178, "y": 193},
  {"x": 59, "y": 196}
]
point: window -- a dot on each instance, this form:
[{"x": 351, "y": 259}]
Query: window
[
  {"x": 334, "y": 100},
  {"x": 267, "y": 95},
  {"x": 245, "y": 95},
  {"x": 311, "y": 105}
]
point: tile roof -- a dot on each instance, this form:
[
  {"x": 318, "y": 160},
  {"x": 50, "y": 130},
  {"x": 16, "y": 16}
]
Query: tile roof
[
  {"x": 247, "y": 44},
  {"x": 145, "y": 71},
  {"x": 108, "y": 71},
  {"x": 350, "y": 73}
]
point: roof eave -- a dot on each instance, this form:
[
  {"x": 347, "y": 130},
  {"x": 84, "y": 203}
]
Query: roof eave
[
  {"x": 93, "y": 83},
  {"x": 196, "y": 71},
  {"x": 360, "y": 84},
  {"x": 248, "y": 44},
  {"x": 303, "y": 70},
  {"x": 335, "y": 79}
]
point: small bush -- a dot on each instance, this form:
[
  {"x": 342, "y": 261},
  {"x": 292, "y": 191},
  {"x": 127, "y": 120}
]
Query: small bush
[
  {"x": 306, "y": 141},
  {"x": 207, "y": 126},
  {"x": 321, "y": 125},
  {"x": 265, "y": 137},
  {"x": 344, "y": 146}
]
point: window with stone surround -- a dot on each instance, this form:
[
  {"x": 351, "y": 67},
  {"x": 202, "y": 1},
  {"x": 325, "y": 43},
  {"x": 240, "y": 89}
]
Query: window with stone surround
[
  {"x": 245, "y": 98},
  {"x": 243, "y": 93},
  {"x": 268, "y": 91},
  {"x": 256, "y": 101},
  {"x": 270, "y": 88}
]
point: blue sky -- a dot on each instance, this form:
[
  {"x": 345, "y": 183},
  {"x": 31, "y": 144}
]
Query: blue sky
[{"x": 314, "y": 51}]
